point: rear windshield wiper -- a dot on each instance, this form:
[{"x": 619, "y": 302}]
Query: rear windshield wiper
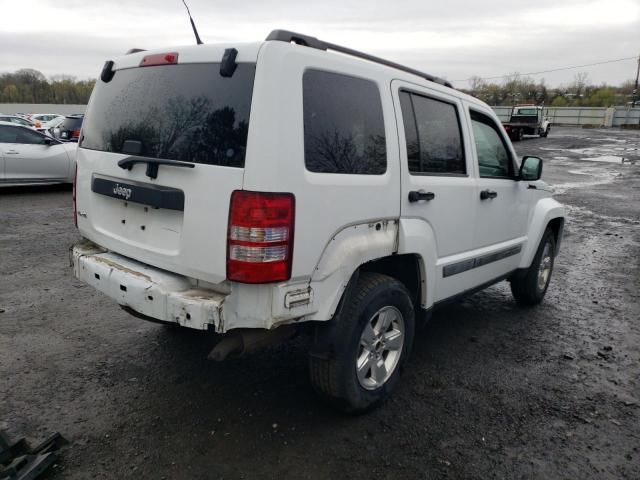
[{"x": 152, "y": 164}]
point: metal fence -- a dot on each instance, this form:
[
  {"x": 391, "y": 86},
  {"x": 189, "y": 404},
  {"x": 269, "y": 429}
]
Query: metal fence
[
  {"x": 626, "y": 116},
  {"x": 577, "y": 116}
]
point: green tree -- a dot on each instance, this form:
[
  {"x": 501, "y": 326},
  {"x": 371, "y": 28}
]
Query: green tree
[
  {"x": 559, "y": 101},
  {"x": 31, "y": 86},
  {"x": 603, "y": 97}
]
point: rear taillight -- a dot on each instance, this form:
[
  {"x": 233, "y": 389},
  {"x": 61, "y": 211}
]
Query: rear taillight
[
  {"x": 75, "y": 208},
  {"x": 260, "y": 237},
  {"x": 75, "y": 133}
]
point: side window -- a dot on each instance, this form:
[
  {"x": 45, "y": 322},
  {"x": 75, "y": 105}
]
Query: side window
[
  {"x": 29, "y": 137},
  {"x": 8, "y": 134},
  {"x": 434, "y": 139},
  {"x": 343, "y": 124},
  {"x": 493, "y": 156}
]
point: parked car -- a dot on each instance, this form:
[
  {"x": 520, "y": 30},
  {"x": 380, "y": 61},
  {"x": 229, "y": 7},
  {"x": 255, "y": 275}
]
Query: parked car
[
  {"x": 70, "y": 128},
  {"x": 30, "y": 157},
  {"x": 39, "y": 119},
  {"x": 17, "y": 121},
  {"x": 283, "y": 187},
  {"x": 50, "y": 127}
]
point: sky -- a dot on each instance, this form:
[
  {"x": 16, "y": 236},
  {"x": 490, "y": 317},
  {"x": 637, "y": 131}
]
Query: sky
[{"x": 454, "y": 39}]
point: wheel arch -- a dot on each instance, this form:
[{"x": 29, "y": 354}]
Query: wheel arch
[
  {"x": 405, "y": 268},
  {"x": 547, "y": 213},
  {"x": 557, "y": 227}
]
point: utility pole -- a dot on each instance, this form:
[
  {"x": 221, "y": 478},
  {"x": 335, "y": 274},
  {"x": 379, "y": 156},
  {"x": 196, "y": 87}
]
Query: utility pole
[{"x": 635, "y": 89}]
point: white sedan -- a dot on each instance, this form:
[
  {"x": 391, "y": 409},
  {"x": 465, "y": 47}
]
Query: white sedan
[
  {"x": 29, "y": 157},
  {"x": 17, "y": 120}
]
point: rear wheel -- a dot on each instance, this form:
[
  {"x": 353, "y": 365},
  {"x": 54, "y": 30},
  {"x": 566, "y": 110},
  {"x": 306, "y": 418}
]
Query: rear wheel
[
  {"x": 364, "y": 349},
  {"x": 529, "y": 287}
]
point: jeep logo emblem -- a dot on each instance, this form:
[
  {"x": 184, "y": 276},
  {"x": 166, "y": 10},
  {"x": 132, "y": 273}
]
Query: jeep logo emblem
[{"x": 122, "y": 191}]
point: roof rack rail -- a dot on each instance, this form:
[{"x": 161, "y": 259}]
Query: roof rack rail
[{"x": 313, "y": 42}]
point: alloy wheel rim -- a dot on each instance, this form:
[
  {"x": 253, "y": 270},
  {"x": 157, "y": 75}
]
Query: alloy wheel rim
[
  {"x": 380, "y": 347},
  {"x": 546, "y": 263}
]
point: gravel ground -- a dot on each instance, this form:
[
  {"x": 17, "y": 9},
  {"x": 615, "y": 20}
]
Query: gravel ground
[{"x": 492, "y": 390}]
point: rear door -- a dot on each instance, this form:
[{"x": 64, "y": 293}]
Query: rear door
[
  {"x": 29, "y": 158},
  {"x": 438, "y": 185},
  {"x": 170, "y": 216}
]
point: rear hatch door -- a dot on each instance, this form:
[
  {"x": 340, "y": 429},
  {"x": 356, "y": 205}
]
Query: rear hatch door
[{"x": 162, "y": 148}]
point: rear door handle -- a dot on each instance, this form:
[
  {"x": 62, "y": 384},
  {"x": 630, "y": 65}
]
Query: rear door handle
[
  {"x": 12, "y": 152},
  {"x": 416, "y": 196},
  {"x": 486, "y": 194}
]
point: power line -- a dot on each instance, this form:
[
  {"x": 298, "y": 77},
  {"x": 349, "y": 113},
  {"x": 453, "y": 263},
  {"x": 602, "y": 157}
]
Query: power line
[{"x": 552, "y": 70}]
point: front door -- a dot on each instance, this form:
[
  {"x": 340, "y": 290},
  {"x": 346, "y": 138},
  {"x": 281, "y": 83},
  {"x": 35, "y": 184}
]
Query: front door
[{"x": 501, "y": 201}]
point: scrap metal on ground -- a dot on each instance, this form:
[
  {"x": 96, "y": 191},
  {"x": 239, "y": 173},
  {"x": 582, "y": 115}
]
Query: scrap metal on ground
[{"x": 19, "y": 461}]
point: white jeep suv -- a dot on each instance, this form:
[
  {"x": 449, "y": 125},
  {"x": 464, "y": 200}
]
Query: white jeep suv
[{"x": 251, "y": 189}]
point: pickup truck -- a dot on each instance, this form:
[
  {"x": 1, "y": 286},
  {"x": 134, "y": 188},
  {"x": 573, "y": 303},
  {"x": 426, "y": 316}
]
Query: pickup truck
[{"x": 527, "y": 120}]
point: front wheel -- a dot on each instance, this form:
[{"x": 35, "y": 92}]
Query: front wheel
[
  {"x": 358, "y": 362},
  {"x": 529, "y": 287}
]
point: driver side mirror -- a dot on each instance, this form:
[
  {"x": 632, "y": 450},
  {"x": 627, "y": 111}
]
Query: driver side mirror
[
  {"x": 530, "y": 168},
  {"x": 48, "y": 141}
]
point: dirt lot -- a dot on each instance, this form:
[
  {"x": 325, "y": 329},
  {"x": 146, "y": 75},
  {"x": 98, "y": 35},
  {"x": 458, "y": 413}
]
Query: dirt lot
[{"x": 492, "y": 391}]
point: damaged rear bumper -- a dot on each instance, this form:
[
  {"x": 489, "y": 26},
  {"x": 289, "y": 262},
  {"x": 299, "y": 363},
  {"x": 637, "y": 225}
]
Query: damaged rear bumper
[{"x": 149, "y": 291}]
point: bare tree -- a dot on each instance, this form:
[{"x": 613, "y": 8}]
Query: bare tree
[
  {"x": 476, "y": 84},
  {"x": 580, "y": 80}
]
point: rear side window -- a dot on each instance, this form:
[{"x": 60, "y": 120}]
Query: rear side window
[
  {"x": 343, "y": 125},
  {"x": 183, "y": 112},
  {"x": 434, "y": 139}
]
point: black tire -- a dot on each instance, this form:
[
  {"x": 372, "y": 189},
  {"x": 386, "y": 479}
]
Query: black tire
[
  {"x": 337, "y": 344},
  {"x": 526, "y": 286}
]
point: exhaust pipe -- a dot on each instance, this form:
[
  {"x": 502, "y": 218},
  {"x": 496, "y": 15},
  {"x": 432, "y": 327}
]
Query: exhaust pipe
[{"x": 244, "y": 341}]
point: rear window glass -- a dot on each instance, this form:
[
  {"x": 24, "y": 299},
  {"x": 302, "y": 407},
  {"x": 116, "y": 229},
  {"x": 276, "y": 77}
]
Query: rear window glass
[
  {"x": 527, "y": 111},
  {"x": 183, "y": 112},
  {"x": 71, "y": 123},
  {"x": 343, "y": 125}
]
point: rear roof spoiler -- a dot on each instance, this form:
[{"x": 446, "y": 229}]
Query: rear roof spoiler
[{"x": 313, "y": 42}]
